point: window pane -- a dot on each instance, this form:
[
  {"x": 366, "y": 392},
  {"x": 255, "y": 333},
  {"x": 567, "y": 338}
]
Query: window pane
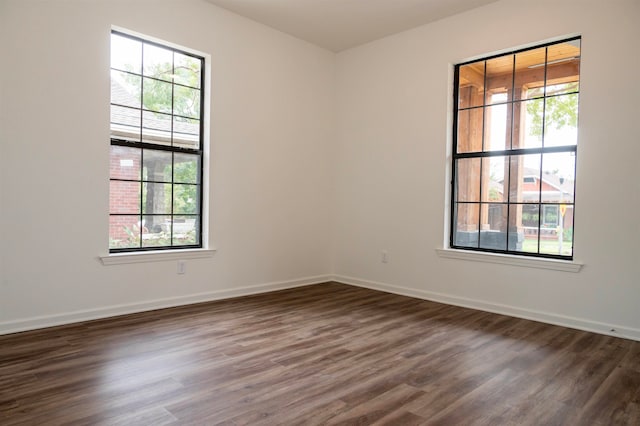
[
  {"x": 187, "y": 70},
  {"x": 158, "y": 62},
  {"x": 125, "y": 89},
  {"x": 471, "y": 86},
  {"x": 124, "y": 232},
  {"x": 156, "y": 231},
  {"x": 549, "y": 218},
  {"x": 529, "y": 74},
  {"x": 186, "y": 168},
  {"x": 186, "y": 102},
  {"x": 466, "y": 224},
  {"x": 157, "y": 165},
  {"x": 467, "y": 179},
  {"x": 157, "y": 95},
  {"x": 156, "y": 128},
  {"x": 124, "y": 163},
  {"x": 497, "y": 127},
  {"x": 524, "y": 183},
  {"x": 186, "y": 133},
  {"x": 126, "y": 54},
  {"x": 185, "y": 199},
  {"x": 470, "y": 130},
  {"x": 561, "y": 120},
  {"x": 558, "y": 170},
  {"x": 156, "y": 198},
  {"x": 125, "y": 123},
  {"x": 563, "y": 67},
  {"x": 523, "y": 227},
  {"x": 184, "y": 230},
  {"x": 499, "y": 81},
  {"x": 124, "y": 197},
  {"x": 527, "y": 131},
  {"x": 562, "y": 88},
  {"x": 558, "y": 240},
  {"x": 530, "y": 218},
  {"x": 493, "y": 227},
  {"x": 566, "y": 224},
  {"x": 495, "y": 179}
]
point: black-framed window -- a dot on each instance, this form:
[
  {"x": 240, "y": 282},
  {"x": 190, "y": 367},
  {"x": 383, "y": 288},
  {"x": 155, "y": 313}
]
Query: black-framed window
[
  {"x": 514, "y": 151},
  {"x": 156, "y": 154}
]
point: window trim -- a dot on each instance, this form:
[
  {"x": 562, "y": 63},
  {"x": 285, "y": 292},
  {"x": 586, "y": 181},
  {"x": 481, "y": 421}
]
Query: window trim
[
  {"x": 510, "y": 259},
  {"x": 478, "y": 253},
  {"x": 155, "y": 256},
  {"x": 143, "y": 254}
]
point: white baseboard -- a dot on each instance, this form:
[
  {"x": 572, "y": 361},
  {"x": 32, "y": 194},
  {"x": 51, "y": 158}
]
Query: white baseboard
[
  {"x": 546, "y": 317},
  {"x": 33, "y": 323}
]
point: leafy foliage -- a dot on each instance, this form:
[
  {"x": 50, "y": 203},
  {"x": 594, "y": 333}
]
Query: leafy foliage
[
  {"x": 158, "y": 91},
  {"x": 559, "y": 111},
  {"x": 158, "y": 96}
]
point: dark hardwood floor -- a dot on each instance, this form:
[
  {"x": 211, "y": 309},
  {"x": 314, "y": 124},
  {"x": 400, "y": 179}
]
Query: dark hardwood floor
[{"x": 323, "y": 354}]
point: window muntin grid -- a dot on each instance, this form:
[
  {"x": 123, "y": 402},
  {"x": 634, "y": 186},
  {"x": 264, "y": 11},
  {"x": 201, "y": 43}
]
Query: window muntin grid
[
  {"x": 515, "y": 145},
  {"x": 156, "y": 146}
]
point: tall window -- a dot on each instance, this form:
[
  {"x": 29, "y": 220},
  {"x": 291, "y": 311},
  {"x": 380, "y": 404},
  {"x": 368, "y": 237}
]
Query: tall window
[
  {"x": 155, "y": 199},
  {"x": 514, "y": 154}
]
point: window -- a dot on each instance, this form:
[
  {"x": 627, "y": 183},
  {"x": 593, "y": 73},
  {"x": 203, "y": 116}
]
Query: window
[
  {"x": 514, "y": 153},
  {"x": 155, "y": 199}
]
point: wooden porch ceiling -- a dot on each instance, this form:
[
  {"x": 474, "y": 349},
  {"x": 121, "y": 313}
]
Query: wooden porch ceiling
[{"x": 563, "y": 61}]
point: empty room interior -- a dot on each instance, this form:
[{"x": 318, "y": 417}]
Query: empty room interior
[{"x": 319, "y": 212}]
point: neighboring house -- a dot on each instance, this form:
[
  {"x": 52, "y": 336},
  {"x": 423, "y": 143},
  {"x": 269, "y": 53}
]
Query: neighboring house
[{"x": 554, "y": 192}]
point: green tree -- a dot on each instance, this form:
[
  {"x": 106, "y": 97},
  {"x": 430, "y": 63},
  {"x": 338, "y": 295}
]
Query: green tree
[
  {"x": 559, "y": 111},
  {"x": 185, "y": 195},
  {"x": 158, "y": 92}
]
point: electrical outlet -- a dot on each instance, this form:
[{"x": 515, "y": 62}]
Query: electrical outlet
[
  {"x": 384, "y": 256},
  {"x": 182, "y": 267}
]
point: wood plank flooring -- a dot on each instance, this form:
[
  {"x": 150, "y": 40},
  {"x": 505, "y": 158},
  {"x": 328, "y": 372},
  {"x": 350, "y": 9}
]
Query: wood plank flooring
[{"x": 324, "y": 354}]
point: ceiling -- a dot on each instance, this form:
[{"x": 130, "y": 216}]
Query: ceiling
[{"x": 341, "y": 24}]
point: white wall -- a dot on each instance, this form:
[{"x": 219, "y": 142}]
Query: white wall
[
  {"x": 271, "y": 121},
  {"x": 394, "y": 104},
  {"x": 304, "y": 184}
]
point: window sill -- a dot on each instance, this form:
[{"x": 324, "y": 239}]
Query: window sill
[
  {"x": 505, "y": 259},
  {"x": 157, "y": 256}
]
